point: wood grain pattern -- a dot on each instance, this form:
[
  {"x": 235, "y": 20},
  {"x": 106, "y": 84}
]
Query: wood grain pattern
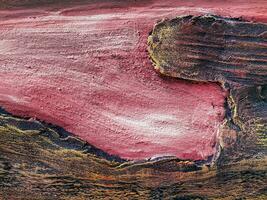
[
  {"x": 211, "y": 48},
  {"x": 40, "y": 161},
  {"x": 44, "y": 161},
  {"x": 224, "y": 50}
]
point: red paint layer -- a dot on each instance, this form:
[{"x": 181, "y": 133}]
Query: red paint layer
[{"x": 87, "y": 69}]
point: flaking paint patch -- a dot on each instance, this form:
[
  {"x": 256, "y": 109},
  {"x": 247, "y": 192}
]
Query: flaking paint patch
[
  {"x": 76, "y": 69},
  {"x": 12, "y": 98},
  {"x": 155, "y": 125}
]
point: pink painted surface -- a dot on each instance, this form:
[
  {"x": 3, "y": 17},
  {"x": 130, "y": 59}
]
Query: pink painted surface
[{"x": 86, "y": 69}]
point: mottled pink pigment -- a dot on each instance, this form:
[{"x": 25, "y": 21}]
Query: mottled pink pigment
[{"x": 86, "y": 69}]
